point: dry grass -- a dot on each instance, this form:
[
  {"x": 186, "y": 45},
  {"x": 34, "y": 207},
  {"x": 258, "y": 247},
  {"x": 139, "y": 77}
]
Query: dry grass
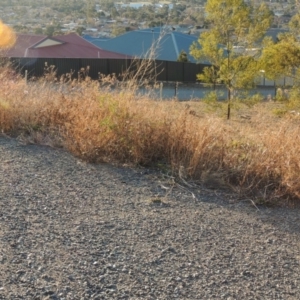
[{"x": 256, "y": 153}]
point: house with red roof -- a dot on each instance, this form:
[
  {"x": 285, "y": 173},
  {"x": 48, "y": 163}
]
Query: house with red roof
[{"x": 60, "y": 46}]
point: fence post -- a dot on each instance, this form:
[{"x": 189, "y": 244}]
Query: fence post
[
  {"x": 26, "y": 76},
  {"x": 161, "y": 90},
  {"x": 176, "y": 88},
  {"x": 108, "y": 67}
]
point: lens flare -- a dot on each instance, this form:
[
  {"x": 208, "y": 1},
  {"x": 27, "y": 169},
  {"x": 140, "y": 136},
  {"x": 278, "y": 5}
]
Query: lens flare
[{"x": 7, "y": 36}]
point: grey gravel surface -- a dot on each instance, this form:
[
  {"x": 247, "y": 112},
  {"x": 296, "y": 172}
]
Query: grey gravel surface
[{"x": 72, "y": 230}]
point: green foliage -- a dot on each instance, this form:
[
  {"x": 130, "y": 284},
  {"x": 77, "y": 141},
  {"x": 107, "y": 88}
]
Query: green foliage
[
  {"x": 290, "y": 99},
  {"x": 66, "y": 7},
  {"x": 155, "y": 23},
  {"x": 182, "y": 57},
  {"x": 253, "y": 100},
  {"x": 80, "y": 30},
  {"x": 209, "y": 76},
  {"x": 114, "y": 13},
  {"x": 38, "y": 30},
  {"x": 279, "y": 112},
  {"x": 163, "y": 12},
  {"x": 235, "y": 29},
  {"x": 117, "y": 30},
  {"x": 211, "y": 98},
  {"x": 281, "y": 96},
  {"x": 52, "y": 30},
  {"x": 20, "y": 28},
  {"x": 294, "y": 97},
  {"x": 282, "y": 58},
  {"x": 294, "y": 24}
]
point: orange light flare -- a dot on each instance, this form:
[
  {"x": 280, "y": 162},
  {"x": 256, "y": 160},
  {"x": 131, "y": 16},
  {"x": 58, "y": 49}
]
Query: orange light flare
[{"x": 7, "y": 36}]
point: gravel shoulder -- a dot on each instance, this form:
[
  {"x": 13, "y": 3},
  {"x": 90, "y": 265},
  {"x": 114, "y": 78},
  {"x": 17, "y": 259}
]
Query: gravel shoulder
[{"x": 72, "y": 230}]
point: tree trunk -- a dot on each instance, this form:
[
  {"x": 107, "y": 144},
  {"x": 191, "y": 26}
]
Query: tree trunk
[{"x": 229, "y": 100}]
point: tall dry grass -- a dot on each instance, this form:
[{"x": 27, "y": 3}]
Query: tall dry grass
[{"x": 257, "y": 156}]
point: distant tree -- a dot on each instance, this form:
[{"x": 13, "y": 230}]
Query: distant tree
[
  {"x": 182, "y": 57},
  {"x": 107, "y": 5},
  {"x": 38, "y": 30},
  {"x": 53, "y": 29},
  {"x": 101, "y": 14},
  {"x": 117, "y": 30},
  {"x": 155, "y": 23},
  {"x": 90, "y": 11},
  {"x": 79, "y": 30},
  {"x": 146, "y": 12},
  {"x": 180, "y": 7},
  {"x": 175, "y": 15},
  {"x": 21, "y": 10},
  {"x": 163, "y": 12},
  {"x": 130, "y": 13},
  {"x": 50, "y": 30},
  {"x": 114, "y": 13},
  {"x": 21, "y": 28}
]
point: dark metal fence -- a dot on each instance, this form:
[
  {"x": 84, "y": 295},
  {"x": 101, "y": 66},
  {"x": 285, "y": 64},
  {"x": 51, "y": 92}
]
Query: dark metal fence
[{"x": 168, "y": 71}]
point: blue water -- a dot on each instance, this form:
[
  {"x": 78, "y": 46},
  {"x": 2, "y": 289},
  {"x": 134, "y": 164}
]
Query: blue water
[{"x": 197, "y": 92}]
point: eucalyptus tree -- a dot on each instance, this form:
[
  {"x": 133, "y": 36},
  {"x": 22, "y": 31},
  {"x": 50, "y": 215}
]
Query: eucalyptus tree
[
  {"x": 282, "y": 58},
  {"x": 231, "y": 44}
]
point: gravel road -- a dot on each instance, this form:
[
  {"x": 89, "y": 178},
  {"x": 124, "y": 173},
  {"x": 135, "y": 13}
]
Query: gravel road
[{"x": 72, "y": 230}]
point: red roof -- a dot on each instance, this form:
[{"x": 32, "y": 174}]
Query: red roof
[{"x": 60, "y": 46}]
